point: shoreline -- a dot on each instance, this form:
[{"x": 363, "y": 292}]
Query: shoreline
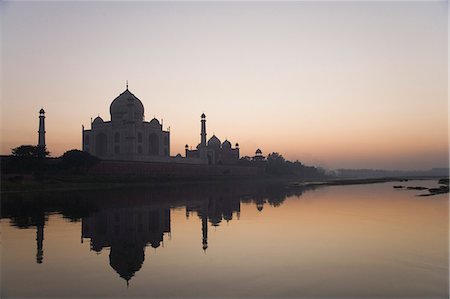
[{"x": 83, "y": 183}]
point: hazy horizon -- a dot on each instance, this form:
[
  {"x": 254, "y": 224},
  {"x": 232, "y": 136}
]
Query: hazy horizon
[{"x": 332, "y": 84}]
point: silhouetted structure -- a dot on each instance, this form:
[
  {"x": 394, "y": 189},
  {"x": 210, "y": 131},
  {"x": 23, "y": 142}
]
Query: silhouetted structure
[
  {"x": 213, "y": 151},
  {"x": 258, "y": 157},
  {"x": 41, "y": 132},
  {"x": 127, "y": 136}
]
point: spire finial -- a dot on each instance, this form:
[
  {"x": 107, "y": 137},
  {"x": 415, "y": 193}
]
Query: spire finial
[{"x": 127, "y": 84}]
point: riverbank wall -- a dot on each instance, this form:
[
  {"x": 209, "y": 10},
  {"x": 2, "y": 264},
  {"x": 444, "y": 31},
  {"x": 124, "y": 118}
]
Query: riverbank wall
[{"x": 158, "y": 170}]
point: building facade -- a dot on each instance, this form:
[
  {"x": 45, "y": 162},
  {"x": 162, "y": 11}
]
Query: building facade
[
  {"x": 127, "y": 136},
  {"x": 213, "y": 151}
]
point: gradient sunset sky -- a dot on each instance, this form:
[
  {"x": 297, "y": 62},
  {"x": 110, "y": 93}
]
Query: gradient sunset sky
[{"x": 334, "y": 84}]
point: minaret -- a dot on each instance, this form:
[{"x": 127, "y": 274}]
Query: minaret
[
  {"x": 203, "y": 133},
  {"x": 82, "y": 138},
  {"x": 41, "y": 140}
]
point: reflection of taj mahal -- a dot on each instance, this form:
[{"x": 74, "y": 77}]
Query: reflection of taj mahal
[
  {"x": 128, "y": 137},
  {"x": 127, "y": 231},
  {"x": 127, "y": 223}
]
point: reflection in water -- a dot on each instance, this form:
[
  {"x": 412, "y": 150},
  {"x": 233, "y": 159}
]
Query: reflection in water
[
  {"x": 127, "y": 231},
  {"x": 40, "y": 242},
  {"x": 345, "y": 241},
  {"x": 215, "y": 210},
  {"x": 128, "y": 221}
]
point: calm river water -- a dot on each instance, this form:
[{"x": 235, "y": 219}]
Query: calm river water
[{"x": 239, "y": 240}]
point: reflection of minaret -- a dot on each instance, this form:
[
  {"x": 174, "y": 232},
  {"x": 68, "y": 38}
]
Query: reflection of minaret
[
  {"x": 40, "y": 239},
  {"x": 213, "y": 211},
  {"x": 39, "y": 243},
  {"x": 205, "y": 231},
  {"x": 41, "y": 139}
]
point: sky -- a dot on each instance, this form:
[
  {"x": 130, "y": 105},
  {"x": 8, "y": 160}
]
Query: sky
[{"x": 332, "y": 84}]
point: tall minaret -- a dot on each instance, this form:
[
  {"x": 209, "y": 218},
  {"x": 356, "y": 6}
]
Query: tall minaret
[
  {"x": 203, "y": 133},
  {"x": 41, "y": 140}
]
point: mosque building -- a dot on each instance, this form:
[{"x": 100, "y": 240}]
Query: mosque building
[
  {"x": 213, "y": 151},
  {"x": 128, "y": 137}
]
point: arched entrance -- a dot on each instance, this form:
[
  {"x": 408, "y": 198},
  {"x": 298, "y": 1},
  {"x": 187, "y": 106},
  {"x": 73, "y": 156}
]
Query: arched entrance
[
  {"x": 153, "y": 148},
  {"x": 100, "y": 144}
]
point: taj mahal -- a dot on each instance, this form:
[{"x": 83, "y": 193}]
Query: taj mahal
[{"x": 128, "y": 137}]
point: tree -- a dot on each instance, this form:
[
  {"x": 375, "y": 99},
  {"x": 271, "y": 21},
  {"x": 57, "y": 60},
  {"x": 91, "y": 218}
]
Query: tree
[
  {"x": 30, "y": 151},
  {"x": 245, "y": 161},
  {"x": 42, "y": 152},
  {"x": 78, "y": 159},
  {"x": 276, "y": 164}
]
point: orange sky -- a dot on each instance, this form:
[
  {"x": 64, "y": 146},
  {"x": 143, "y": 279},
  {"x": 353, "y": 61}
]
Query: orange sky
[{"x": 345, "y": 84}]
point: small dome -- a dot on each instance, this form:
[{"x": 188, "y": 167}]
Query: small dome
[
  {"x": 237, "y": 144},
  {"x": 179, "y": 156},
  {"x": 258, "y": 152},
  {"x": 97, "y": 121},
  {"x": 127, "y": 106},
  {"x": 41, "y": 111},
  {"x": 226, "y": 144},
  {"x": 186, "y": 146},
  {"x": 214, "y": 141},
  {"x": 155, "y": 122},
  {"x": 203, "y": 115}
]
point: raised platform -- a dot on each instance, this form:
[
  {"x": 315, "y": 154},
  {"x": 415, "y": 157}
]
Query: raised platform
[{"x": 172, "y": 170}]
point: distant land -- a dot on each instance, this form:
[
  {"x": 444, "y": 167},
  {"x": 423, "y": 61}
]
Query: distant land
[{"x": 380, "y": 173}]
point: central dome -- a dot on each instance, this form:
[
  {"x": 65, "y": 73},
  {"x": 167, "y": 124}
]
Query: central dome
[{"x": 127, "y": 107}]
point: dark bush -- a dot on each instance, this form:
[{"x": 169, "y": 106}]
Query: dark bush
[
  {"x": 30, "y": 151},
  {"x": 78, "y": 160}
]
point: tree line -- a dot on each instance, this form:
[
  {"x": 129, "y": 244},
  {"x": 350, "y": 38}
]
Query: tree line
[
  {"x": 32, "y": 159},
  {"x": 29, "y": 158},
  {"x": 277, "y": 165}
]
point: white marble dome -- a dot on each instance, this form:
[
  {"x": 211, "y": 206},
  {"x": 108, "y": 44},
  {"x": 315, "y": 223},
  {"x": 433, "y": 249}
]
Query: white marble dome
[{"x": 126, "y": 107}]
